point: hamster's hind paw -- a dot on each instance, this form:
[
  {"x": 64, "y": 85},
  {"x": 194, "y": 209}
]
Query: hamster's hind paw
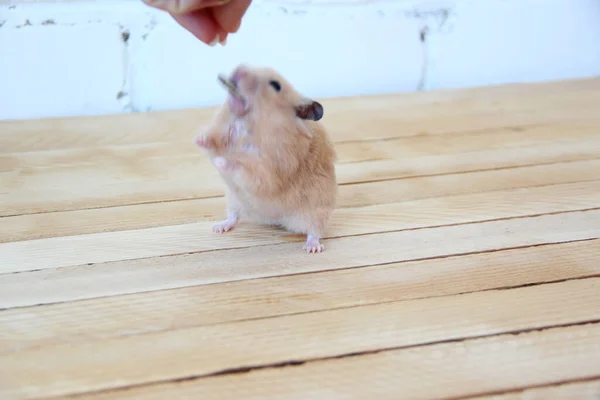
[
  {"x": 313, "y": 245},
  {"x": 225, "y": 226}
]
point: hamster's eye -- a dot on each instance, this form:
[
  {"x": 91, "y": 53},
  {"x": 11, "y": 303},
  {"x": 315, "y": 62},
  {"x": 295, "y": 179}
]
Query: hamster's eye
[{"x": 276, "y": 85}]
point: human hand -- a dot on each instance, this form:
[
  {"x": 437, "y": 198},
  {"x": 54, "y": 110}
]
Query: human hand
[{"x": 211, "y": 21}]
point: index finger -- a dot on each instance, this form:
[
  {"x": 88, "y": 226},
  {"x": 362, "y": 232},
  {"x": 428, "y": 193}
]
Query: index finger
[
  {"x": 229, "y": 16},
  {"x": 202, "y": 25}
]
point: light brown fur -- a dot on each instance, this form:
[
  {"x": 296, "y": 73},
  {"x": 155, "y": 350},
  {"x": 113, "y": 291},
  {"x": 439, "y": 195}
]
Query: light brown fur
[{"x": 278, "y": 167}]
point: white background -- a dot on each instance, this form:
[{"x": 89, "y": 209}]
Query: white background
[{"x": 69, "y": 58}]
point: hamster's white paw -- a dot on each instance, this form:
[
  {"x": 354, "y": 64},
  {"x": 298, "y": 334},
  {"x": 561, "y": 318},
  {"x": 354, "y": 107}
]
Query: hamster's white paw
[
  {"x": 224, "y": 165},
  {"x": 204, "y": 142},
  {"x": 226, "y": 225},
  {"x": 220, "y": 163},
  {"x": 313, "y": 245}
]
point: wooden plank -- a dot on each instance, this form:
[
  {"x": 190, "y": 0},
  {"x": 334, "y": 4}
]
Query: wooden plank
[
  {"x": 128, "y": 182},
  {"x": 168, "y": 240},
  {"x": 53, "y": 224},
  {"x": 587, "y": 390},
  {"x": 175, "y": 152},
  {"x": 108, "y": 317},
  {"x": 435, "y": 112},
  {"x": 122, "y": 277},
  {"x": 113, "y": 363},
  {"x": 475, "y": 161},
  {"x": 441, "y": 371},
  {"x": 461, "y": 142}
]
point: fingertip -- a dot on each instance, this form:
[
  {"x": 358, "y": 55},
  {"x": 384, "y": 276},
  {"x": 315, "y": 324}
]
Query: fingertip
[
  {"x": 229, "y": 16},
  {"x": 201, "y": 24},
  {"x": 236, "y": 27}
]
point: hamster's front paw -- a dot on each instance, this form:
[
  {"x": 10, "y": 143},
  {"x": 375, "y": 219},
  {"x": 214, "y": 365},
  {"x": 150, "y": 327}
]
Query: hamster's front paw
[
  {"x": 224, "y": 165},
  {"x": 205, "y": 142},
  {"x": 313, "y": 245}
]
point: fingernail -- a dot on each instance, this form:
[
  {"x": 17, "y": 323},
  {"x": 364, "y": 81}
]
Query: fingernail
[
  {"x": 216, "y": 40},
  {"x": 223, "y": 42}
]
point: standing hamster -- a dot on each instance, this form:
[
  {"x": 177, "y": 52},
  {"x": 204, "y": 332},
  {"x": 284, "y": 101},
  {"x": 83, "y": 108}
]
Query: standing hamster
[{"x": 274, "y": 155}]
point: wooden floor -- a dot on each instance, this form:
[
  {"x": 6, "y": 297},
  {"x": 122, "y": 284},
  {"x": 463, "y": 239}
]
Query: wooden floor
[{"x": 463, "y": 260}]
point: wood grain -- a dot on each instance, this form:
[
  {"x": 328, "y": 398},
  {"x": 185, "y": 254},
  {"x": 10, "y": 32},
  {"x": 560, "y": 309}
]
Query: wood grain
[
  {"x": 462, "y": 260},
  {"x": 110, "y": 363},
  {"x": 191, "y": 238},
  {"x": 107, "y": 317},
  {"x": 101, "y": 162},
  {"x": 53, "y": 224},
  {"x": 142, "y": 275},
  {"x": 441, "y": 371},
  {"x": 454, "y": 110},
  {"x": 90, "y": 187},
  {"x": 174, "y": 152},
  {"x": 588, "y": 390}
]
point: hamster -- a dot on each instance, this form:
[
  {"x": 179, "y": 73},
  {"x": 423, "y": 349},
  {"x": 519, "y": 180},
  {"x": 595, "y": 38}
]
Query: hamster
[{"x": 274, "y": 155}]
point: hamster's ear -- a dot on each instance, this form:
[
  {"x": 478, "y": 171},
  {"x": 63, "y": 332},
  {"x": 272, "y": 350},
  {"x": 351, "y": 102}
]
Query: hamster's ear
[{"x": 310, "y": 109}]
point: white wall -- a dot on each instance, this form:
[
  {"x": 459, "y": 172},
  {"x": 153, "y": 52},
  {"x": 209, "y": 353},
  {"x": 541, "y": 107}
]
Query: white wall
[{"x": 69, "y": 58}]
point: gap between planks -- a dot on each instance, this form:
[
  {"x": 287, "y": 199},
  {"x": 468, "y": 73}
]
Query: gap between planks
[
  {"x": 573, "y": 97},
  {"x": 68, "y": 223},
  {"x": 98, "y": 187},
  {"x": 394, "y": 217},
  {"x": 438, "y": 112},
  {"x": 576, "y": 389},
  {"x": 138, "y": 313},
  {"x": 175, "y": 152},
  {"x": 114, "y": 363},
  {"x": 442, "y": 371},
  {"x": 142, "y": 275},
  {"x": 128, "y": 180}
]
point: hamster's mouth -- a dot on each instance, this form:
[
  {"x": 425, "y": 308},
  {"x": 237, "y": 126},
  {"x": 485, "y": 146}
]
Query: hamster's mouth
[{"x": 237, "y": 103}]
